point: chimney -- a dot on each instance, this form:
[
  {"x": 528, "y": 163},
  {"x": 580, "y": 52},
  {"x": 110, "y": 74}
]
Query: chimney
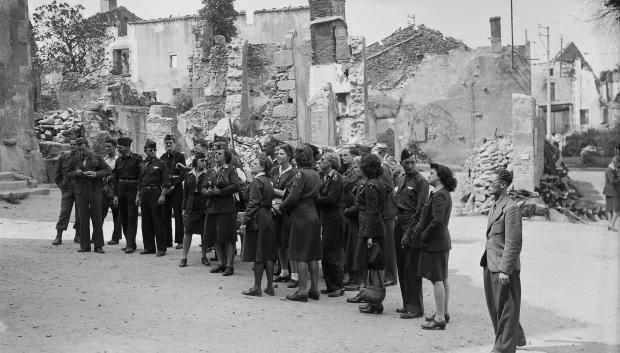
[
  {"x": 496, "y": 34},
  {"x": 108, "y": 5}
]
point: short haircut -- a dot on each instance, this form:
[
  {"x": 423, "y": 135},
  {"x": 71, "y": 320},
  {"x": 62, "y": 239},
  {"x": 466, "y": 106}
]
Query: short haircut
[
  {"x": 333, "y": 159},
  {"x": 111, "y": 141},
  {"x": 304, "y": 157},
  {"x": 445, "y": 175},
  {"x": 371, "y": 166},
  {"x": 504, "y": 175},
  {"x": 288, "y": 149},
  {"x": 169, "y": 137}
]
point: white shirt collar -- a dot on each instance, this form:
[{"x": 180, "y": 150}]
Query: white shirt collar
[
  {"x": 198, "y": 174},
  {"x": 284, "y": 171}
]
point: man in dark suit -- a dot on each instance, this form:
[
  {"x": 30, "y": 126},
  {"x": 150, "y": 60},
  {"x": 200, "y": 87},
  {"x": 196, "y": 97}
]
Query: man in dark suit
[
  {"x": 502, "y": 285},
  {"x": 175, "y": 163},
  {"x": 89, "y": 170}
]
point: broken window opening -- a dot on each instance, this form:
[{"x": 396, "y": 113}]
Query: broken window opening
[
  {"x": 342, "y": 104},
  {"x": 120, "y": 62},
  {"x": 175, "y": 91},
  {"x": 174, "y": 62}
]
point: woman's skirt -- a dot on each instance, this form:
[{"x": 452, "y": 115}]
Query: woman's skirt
[
  {"x": 259, "y": 244},
  {"x": 433, "y": 265},
  {"x": 194, "y": 223},
  {"x": 221, "y": 227},
  {"x": 612, "y": 204},
  {"x": 282, "y": 226},
  {"x": 305, "y": 238}
]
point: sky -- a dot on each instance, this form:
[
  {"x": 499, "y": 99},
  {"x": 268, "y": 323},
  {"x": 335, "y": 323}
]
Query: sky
[{"x": 568, "y": 20}]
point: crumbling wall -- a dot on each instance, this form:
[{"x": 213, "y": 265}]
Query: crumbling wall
[
  {"x": 528, "y": 131},
  {"x": 19, "y": 151},
  {"x": 271, "y": 25}
]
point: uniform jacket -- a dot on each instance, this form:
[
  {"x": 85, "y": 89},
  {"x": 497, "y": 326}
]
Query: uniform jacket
[
  {"x": 390, "y": 210},
  {"x": 227, "y": 181},
  {"x": 259, "y": 196},
  {"x": 153, "y": 172},
  {"x": 175, "y": 173},
  {"x": 331, "y": 191},
  {"x": 431, "y": 233},
  {"x": 126, "y": 168},
  {"x": 370, "y": 203},
  {"x": 62, "y": 177},
  {"x": 612, "y": 182},
  {"x": 504, "y": 237},
  {"x": 88, "y": 162},
  {"x": 305, "y": 186}
]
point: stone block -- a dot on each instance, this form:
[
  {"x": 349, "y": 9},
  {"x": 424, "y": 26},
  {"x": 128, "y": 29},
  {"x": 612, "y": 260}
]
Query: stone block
[
  {"x": 283, "y": 58},
  {"x": 286, "y": 85},
  {"x": 288, "y": 110}
]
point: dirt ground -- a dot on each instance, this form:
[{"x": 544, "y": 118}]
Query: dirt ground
[{"x": 53, "y": 299}]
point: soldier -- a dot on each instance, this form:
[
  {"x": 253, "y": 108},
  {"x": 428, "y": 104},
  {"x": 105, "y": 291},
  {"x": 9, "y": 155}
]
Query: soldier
[
  {"x": 89, "y": 170},
  {"x": 175, "y": 164},
  {"x": 108, "y": 191},
  {"x": 153, "y": 186},
  {"x": 126, "y": 173},
  {"x": 67, "y": 189}
]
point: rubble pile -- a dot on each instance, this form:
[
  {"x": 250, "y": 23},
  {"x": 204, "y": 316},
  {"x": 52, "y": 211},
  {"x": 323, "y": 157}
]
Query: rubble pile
[
  {"x": 57, "y": 125},
  {"x": 479, "y": 167}
]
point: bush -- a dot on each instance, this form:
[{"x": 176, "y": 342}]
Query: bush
[
  {"x": 183, "y": 101},
  {"x": 605, "y": 140}
]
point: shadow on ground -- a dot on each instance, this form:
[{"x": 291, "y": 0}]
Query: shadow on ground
[{"x": 576, "y": 347}]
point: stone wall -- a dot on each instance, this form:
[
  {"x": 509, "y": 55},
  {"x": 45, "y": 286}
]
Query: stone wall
[
  {"x": 272, "y": 25},
  {"x": 528, "y": 131},
  {"x": 19, "y": 150}
]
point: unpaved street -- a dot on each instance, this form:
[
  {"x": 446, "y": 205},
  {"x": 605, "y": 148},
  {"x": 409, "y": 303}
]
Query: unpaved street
[{"x": 53, "y": 299}]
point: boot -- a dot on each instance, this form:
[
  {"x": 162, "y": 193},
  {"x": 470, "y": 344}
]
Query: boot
[{"x": 58, "y": 240}]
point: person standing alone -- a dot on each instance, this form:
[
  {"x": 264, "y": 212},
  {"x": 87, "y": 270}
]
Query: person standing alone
[{"x": 501, "y": 264}]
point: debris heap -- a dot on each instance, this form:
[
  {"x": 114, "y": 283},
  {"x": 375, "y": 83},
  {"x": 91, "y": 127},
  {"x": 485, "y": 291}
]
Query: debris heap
[
  {"x": 479, "y": 166},
  {"x": 59, "y": 124}
]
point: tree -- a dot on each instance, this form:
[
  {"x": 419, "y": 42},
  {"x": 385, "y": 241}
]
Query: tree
[
  {"x": 67, "y": 39},
  {"x": 217, "y": 17}
]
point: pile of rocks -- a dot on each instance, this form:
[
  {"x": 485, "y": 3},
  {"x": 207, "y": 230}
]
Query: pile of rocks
[
  {"x": 57, "y": 125},
  {"x": 479, "y": 166}
]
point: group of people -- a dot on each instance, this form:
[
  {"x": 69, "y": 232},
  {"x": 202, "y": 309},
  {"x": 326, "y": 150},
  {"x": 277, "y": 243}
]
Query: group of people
[{"x": 369, "y": 221}]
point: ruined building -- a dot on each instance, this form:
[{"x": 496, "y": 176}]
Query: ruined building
[{"x": 19, "y": 151}]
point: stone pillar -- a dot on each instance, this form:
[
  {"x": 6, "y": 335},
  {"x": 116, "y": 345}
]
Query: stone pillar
[
  {"x": 496, "y": 34},
  {"x": 528, "y": 140}
]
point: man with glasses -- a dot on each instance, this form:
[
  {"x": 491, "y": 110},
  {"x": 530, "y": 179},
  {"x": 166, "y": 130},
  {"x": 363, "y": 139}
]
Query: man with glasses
[
  {"x": 175, "y": 163},
  {"x": 126, "y": 173},
  {"x": 153, "y": 184},
  {"x": 67, "y": 189},
  {"x": 502, "y": 284}
]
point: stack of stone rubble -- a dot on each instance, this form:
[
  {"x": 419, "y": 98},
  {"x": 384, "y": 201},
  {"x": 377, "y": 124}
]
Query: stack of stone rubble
[
  {"x": 57, "y": 125},
  {"x": 479, "y": 167}
]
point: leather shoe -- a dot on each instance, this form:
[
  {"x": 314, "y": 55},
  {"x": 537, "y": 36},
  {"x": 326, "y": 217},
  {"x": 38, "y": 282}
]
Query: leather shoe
[
  {"x": 372, "y": 309},
  {"x": 183, "y": 263},
  {"x": 352, "y": 287},
  {"x": 434, "y": 325},
  {"x": 298, "y": 297},
  {"x": 336, "y": 293},
  {"x": 270, "y": 291},
  {"x": 146, "y": 252},
  {"x": 205, "y": 261},
  {"x": 312, "y": 294},
  {"x": 253, "y": 292},
  {"x": 431, "y": 317},
  {"x": 293, "y": 284},
  {"x": 179, "y": 246},
  {"x": 129, "y": 250},
  {"x": 99, "y": 250},
  {"x": 228, "y": 271},
  {"x": 161, "y": 253},
  {"x": 217, "y": 269},
  {"x": 410, "y": 315},
  {"x": 113, "y": 242},
  {"x": 84, "y": 250},
  {"x": 57, "y": 241},
  {"x": 355, "y": 299},
  {"x": 401, "y": 310}
]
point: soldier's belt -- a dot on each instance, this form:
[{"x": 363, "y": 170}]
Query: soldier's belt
[
  {"x": 149, "y": 187},
  {"x": 121, "y": 180}
]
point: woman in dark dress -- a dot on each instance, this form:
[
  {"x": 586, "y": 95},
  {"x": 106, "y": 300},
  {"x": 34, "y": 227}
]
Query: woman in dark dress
[
  {"x": 194, "y": 207},
  {"x": 432, "y": 237},
  {"x": 259, "y": 244},
  {"x": 283, "y": 175},
  {"x": 370, "y": 201},
  {"x": 305, "y": 236},
  {"x": 219, "y": 187}
]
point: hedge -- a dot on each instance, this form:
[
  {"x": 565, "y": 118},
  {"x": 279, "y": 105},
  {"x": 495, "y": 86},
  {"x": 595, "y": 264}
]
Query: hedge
[{"x": 604, "y": 139}]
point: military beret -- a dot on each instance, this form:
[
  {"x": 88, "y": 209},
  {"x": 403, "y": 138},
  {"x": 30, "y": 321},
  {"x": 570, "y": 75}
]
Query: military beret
[
  {"x": 150, "y": 144},
  {"x": 169, "y": 137},
  {"x": 124, "y": 141},
  {"x": 199, "y": 155},
  {"x": 405, "y": 154}
]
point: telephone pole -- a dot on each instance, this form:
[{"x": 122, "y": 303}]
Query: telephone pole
[{"x": 546, "y": 34}]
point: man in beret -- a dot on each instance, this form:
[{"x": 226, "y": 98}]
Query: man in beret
[
  {"x": 67, "y": 189},
  {"x": 88, "y": 170},
  {"x": 126, "y": 173},
  {"x": 175, "y": 163},
  {"x": 153, "y": 185}
]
